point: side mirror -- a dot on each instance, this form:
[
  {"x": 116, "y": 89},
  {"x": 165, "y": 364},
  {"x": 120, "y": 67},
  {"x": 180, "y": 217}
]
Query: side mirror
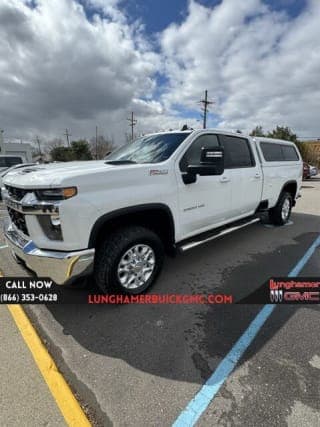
[{"x": 211, "y": 163}]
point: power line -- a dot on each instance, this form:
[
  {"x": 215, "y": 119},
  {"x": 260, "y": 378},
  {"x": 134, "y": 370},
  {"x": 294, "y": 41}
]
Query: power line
[
  {"x": 132, "y": 122},
  {"x": 67, "y": 134},
  {"x": 205, "y": 103}
]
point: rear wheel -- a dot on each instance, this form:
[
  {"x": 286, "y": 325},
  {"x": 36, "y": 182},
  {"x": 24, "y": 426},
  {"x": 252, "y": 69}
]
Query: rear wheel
[
  {"x": 129, "y": 260},
  {"x": 280, "y": 214}
]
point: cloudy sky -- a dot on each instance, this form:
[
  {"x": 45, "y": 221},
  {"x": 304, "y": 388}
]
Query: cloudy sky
[{"x": 77, "y": 64}]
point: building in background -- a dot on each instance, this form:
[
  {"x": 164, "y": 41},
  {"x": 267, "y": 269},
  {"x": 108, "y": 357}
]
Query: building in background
[
  {"x": 315, "y": 147},
  {"x": 21, "y": 149},
  {"x": 313, "y": 152}
]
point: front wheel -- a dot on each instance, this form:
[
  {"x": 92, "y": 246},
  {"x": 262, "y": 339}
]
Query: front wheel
[
  {"x": 128, "y": 260},
  {"x": 280, "y": 214}
]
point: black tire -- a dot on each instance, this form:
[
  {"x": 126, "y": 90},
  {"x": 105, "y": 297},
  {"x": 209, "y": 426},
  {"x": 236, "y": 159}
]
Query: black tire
[
  {"x": 276, "y": 214},
  {"x": 114, "y": 247}
]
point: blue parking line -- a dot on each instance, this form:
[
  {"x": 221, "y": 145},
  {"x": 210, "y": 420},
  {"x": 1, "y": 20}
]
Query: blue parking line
[
  {"x": 196, "y": 407},
  {"x": 296, "y": 270}
]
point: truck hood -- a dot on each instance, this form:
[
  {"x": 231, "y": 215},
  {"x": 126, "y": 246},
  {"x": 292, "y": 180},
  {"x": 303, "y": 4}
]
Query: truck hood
[{"x": 53, "y": 175}]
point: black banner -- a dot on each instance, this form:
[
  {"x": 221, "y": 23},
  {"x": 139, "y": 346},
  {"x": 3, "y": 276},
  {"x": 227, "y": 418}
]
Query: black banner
[
  {"x": 43, "y": 290},
  {"x": 37, "y": 290}
]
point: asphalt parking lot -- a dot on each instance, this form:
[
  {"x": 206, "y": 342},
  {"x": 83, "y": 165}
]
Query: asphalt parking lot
[{"x": 140, "y": 365}]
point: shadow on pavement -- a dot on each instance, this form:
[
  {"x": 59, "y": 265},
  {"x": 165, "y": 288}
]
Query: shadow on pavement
[{"x": 164, "y": 340}]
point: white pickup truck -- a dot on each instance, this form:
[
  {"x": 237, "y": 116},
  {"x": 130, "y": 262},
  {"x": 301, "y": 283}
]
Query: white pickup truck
[{"x": 116, "y": 218}]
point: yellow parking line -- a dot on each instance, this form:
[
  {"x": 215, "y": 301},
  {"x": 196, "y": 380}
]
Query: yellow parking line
[{"x": 67, "y": 403}]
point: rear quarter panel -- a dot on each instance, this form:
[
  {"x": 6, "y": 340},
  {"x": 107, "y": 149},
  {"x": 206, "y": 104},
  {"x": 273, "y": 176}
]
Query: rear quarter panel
[{"x": 277, "y": 175}]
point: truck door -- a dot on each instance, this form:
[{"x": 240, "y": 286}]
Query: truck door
[
  {"x": 206, "y": 202},
  {"x": 245, "y": 175}
]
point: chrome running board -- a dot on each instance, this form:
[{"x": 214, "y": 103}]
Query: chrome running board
[{"x": 193, "y": 243}]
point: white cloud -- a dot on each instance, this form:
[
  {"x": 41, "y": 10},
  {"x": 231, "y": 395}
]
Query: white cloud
[
  {"x": 65, "y": 66},
  {"x": 259, "y": 65},
  {"x": 58, "y": 69}
]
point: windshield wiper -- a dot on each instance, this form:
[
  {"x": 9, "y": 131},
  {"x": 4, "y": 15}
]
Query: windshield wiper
[{"x": 121, "y": 162}]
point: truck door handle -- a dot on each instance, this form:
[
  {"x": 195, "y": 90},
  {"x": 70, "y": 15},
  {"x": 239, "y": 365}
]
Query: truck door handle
[
  {"x": 257, "y": 176},
  {"x": 224, "y": 179}
]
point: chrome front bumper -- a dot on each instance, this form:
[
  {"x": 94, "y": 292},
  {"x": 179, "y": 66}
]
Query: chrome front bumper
[{"x": 61, "y": 267}]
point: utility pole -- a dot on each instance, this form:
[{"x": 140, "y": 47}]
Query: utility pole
[
  {"x": 96, "y": 142},
  {"x": 38, "y": 141},
  {"x": 67, "y": 134},
  {"x": 1, "y": 140},
  {"x": 205, "y": 104},
  {"x": 132, "y": 123}
]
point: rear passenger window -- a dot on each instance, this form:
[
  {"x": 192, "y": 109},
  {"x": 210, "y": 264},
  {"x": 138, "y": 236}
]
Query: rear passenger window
[
  {"x": 272, "y": 152},
  {"x": 237, "y": 152},
  {"x": 193, "y": 154},
  {"x": 289, "y": 153}
]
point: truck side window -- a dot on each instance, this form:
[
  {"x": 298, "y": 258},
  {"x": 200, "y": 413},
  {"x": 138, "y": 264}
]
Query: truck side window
[
  {"x": 272, "y": 152},
  {"x": 289, "y": 153},
  {"x": 192, "y": 155},
  {"x": 237, "y": 152}
]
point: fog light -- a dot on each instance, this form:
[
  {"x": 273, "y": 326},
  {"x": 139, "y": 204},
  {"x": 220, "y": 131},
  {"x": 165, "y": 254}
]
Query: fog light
[{"x": 55, "y": 221}]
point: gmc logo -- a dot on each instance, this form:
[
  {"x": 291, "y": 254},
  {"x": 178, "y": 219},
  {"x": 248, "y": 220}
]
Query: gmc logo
[{"x": 302, "y": 296}]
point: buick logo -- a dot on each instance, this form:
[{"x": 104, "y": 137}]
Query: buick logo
[{"x": 276, "y": 295}]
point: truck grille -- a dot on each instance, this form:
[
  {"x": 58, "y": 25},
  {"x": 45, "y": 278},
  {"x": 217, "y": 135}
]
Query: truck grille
[
  {"x": 18, "y": 220},
  {"x": 16, "y": 193}
]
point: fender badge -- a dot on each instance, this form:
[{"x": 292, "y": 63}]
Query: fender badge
[{"x": 158, "y": 172}]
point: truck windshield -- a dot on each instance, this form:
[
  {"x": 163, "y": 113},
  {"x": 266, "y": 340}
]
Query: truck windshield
[{"x": 148, "y": 149}]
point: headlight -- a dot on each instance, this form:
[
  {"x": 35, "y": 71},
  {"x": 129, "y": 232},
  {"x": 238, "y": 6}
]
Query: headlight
[{"x": 56, "y": 193}]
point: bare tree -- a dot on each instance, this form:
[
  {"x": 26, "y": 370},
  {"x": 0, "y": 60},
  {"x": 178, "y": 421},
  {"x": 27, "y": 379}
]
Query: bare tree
[
  {"x": 53, "y": 143},
  {"x": 48, "y": 146},
  {"x": 100, "y": 146}
]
